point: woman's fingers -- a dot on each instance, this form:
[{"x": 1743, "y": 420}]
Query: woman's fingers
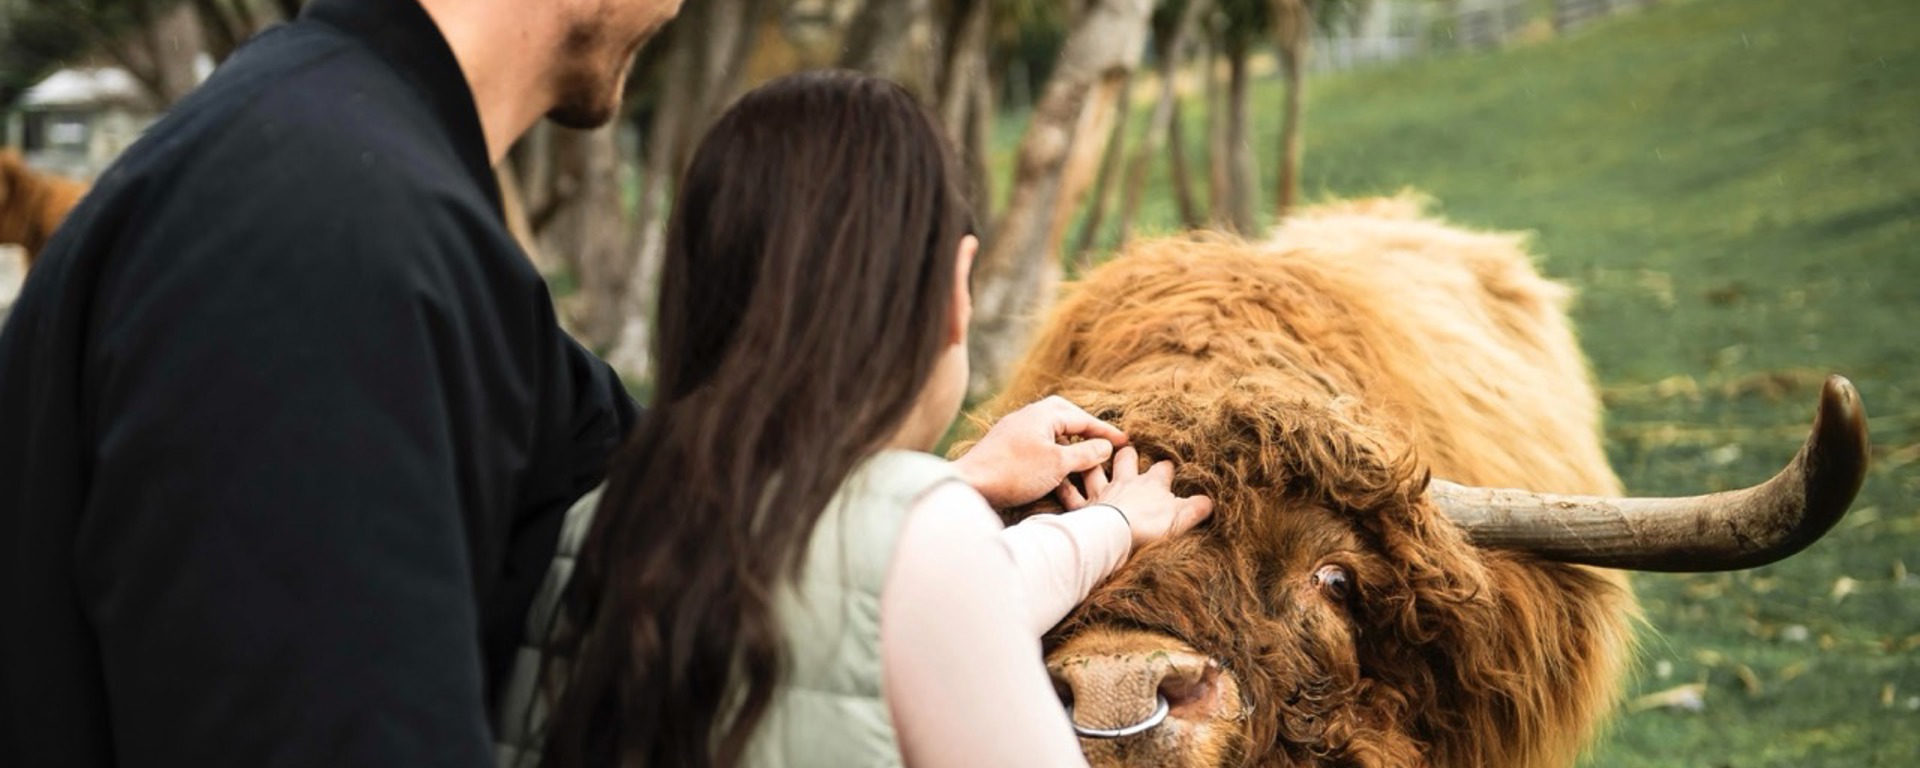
[
  {"x": 1161, "y": 473},
  {"x": 1193, "y": 510},
  {"x": 1069, "y": 496},
  {"x": 1126, "y": 464},
  {"x": 1095, "y": 480}
]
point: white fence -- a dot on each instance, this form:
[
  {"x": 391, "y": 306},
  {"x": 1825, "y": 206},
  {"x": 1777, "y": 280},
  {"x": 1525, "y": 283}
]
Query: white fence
[
  {"x": 1397, "y": 30},
  {"x": 1346, "y": 53},
  {"x": 1569, "y": 15}
]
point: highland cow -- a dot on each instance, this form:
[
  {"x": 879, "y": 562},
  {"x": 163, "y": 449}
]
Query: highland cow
[{"x": 1349, "y": 394}]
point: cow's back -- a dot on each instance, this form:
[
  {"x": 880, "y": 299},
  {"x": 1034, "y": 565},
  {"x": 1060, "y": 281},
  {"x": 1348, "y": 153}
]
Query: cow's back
[
  {"x": 1449, "y": 335},
  {"x": 1479, "y": 357}
]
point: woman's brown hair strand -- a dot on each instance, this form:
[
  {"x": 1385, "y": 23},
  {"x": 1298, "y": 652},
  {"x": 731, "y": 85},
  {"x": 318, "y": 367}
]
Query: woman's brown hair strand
[{"x": 804, "y": 303}]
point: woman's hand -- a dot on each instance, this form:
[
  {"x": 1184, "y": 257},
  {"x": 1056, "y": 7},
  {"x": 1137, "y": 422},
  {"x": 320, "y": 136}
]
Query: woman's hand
[
  {"x": 1145, "y": 499},
  {"x": 1021, "y": 459}
]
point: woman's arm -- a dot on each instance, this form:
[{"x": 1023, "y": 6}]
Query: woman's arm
[
  {"x": 1059, "y": 559},
  {"x": 964, "y": 677}
]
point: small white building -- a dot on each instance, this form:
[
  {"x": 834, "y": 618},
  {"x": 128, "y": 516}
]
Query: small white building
[{"x": 77, "y": 120}]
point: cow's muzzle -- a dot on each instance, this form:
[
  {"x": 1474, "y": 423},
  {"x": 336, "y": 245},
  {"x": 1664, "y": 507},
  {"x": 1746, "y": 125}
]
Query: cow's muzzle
[{"x": 1126, "y": 684}]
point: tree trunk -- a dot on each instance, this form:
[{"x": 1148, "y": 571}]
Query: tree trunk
[
  {"x": 1182, "y": 172},
  {"x": 966, "y": 97},
  {"x": 1163, "y": 123},
  {"x": 514, "y": 204},
  {"x": 1021, "y": 268},
  {"x": 225, "y": 24},
  {"x": 1239, "y": 147},
  {"x": 157, "y": 49},
  {"x": 722, "y": 36},
  {"x": 593, "y": 228},
  {"x": 546, "y": 188},
  {"x": 1219, "y": 159},
  {"x": 966, "y": 42},
  {"x": 1109, "y": 170},
  {"x": 1296, "y": 35},
  {"x": 883, "y": 41},
  {"x": 979, "y": 166},
  {"x": 223, "y": 31},
  {"x": 574, "y": 188},
  {"x": 699, "y": 67},
  {"x": 668, "y": 143},
  {"x": 543, "y": 191},
  {"x": 871, "y": 40}
]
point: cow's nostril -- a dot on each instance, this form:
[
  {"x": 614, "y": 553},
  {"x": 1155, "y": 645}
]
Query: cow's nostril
[
  {"x": 1110, "y": 693},
  {"x": 1191, "y": 687}
]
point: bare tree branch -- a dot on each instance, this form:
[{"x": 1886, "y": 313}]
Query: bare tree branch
[
  {"x": 245, "y": 18},
  {"x": 561, "y": 192},
  {"x": 147, "y": 32},
  {"x": 222, "y": 28},
  {"x": 1103, "y": 187},
  {"x": 1164, "y": 123},
  {"x": 117, "y": 42},
  {"x": 962, "y": 79},
  {"x": 1293, "y": 24}
]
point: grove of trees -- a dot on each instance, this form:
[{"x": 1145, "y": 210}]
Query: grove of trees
[{"x": 591, "y": 206}]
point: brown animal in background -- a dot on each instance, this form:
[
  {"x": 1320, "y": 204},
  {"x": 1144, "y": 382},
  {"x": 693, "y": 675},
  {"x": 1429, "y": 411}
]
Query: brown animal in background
[
  {"x": 1340, "y": 609},
  {"x": 32, "y": 205}
]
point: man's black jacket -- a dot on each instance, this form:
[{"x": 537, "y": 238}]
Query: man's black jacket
[{"x": 287, "y": 427}]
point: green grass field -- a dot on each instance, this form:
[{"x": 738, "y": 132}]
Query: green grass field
[{"x": 1734, "y": 188}]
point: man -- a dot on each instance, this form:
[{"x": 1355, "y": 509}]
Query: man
[{"x": 287, "y": 427}]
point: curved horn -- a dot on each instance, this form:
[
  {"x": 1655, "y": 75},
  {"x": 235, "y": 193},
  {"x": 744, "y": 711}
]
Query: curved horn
[{"x": 1726, "y": 531}]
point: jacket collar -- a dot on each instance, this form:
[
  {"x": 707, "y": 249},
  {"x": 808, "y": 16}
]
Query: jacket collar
[{"x": 402, "y": 33}]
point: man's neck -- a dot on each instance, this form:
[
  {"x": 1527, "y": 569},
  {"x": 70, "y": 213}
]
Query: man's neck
[{"x": 504, "y": 51}]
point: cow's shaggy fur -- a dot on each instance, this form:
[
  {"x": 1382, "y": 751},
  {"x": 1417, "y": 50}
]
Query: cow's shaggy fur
[
  {"x": 32, "y": 205},
  {"x": 1311, "y": 385}
]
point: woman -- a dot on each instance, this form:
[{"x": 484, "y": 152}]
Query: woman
[{"x": 776, "y": 542}]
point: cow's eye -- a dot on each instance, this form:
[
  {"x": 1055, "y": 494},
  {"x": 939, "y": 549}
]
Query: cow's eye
[{"x": 1333, "y": 581}]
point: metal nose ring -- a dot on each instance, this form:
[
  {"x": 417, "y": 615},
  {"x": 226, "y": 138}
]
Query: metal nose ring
[{"x": 1159, "y": 715}]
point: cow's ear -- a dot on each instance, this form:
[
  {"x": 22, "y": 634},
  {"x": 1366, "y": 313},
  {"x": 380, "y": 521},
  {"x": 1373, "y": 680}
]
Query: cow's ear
[
  {"x": 1438, "y": 586},
  {"x": 1456, "y": 633}
]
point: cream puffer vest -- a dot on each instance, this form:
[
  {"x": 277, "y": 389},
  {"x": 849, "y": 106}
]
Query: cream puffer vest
[{"x": 829, "y": 712}]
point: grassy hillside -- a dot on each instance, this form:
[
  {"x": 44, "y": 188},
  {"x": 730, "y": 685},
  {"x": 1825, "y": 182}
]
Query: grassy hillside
[{"x": 1734, "y": 187}]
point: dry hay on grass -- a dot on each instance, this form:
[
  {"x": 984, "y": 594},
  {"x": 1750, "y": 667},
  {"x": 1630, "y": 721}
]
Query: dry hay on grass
[{"x": 1769, "y": 385}]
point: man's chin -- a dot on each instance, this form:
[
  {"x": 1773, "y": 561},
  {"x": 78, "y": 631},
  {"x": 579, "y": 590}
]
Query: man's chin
[
  {"x": 594, "y": 102},
  {"x": 583, "y": 116},
  {"x": 587, "y": 108}
]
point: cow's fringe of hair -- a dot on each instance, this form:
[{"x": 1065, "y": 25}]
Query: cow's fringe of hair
[{"x": 1332, "y": 369}]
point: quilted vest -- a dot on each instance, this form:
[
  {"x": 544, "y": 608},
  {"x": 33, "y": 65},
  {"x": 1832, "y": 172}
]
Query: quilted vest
[{"x": 829, "y": 711}]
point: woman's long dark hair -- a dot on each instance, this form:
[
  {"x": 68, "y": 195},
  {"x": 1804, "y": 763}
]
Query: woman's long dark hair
[{"x": 804, "y": 303}]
